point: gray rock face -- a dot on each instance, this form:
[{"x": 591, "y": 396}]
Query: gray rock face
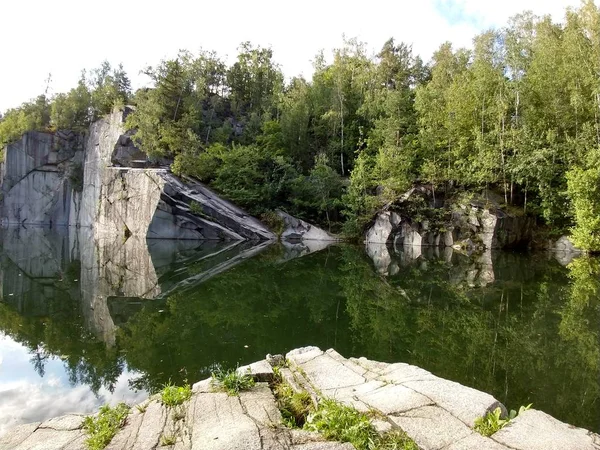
[
  {"x": 38, "y": 176},
  {"x": 473, "y": 226},
  {"x": 535, "y": 430},
  {"x": 298, "y": 230},
  {"x": 58, "y": 179}
]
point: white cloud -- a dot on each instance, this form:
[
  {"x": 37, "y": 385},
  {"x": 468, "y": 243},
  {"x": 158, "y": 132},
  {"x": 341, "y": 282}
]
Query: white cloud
[
  {"x": 64, "y": 36},
  {"x": 25, "y": 402}
]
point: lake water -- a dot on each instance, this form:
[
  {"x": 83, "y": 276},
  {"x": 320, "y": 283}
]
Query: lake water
[{"x": 85, "y": 322}]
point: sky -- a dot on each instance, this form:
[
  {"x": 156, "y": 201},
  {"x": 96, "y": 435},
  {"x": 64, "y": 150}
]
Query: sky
[
  {"x": 26, "y": 397},
  {"x": 62, "y": 37}
]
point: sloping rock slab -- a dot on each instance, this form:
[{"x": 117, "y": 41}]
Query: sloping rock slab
[
  {"x": 536, "y": 430},
  {"x": 463, "y": 402},
  {"x": 431, "y": 427},
  {"x": 298, "y": 230},
  {"x": 17, "y": 435}
]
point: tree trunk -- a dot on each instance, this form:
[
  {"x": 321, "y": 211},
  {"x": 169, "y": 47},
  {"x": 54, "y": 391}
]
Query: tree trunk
[{"x": 342, "y": 123}]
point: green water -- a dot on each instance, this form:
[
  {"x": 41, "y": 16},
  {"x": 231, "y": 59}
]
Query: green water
[{"x": 521, "y": 327}]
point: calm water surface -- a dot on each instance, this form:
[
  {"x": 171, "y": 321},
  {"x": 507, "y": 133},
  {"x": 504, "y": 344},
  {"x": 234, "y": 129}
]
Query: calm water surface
[{"x": 86, "y": 322}]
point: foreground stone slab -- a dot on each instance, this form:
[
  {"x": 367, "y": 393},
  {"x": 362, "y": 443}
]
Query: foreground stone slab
[
  {"x": 64, "y": 423},
  {"x": 536, "y": 430},
  {"x": 432, "y": 427},
  {"x": 150, "y": 431},
  {"x": 48, "y": 439},
  {"x": 393, "y": 399},
  {"x": 326, "y": 373},
  {"x": 220, "y": 423},
  {"x": 463, "y": 402},
  {"x": 476, "y": 441},
  {"x": 17, "y": 435},
  {"x": 260, "y": 371},
  {"x": 437, "y": 414},
  {"x": 125, "y": 438}
]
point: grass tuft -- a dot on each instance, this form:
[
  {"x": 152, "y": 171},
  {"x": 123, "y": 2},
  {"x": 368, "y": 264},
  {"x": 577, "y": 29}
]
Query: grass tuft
[
  {"x": 395, "y": 440},
  {"x": 231, "y": 381},
  {"x": 103, "y": 427},
  {"x": 294, "y": 406},
  {"x": 493, "y": 421},
  {"x": 172, "y": 395},
  {"x": 168, "y": 439},
  {"x": 341, "y": 423}
]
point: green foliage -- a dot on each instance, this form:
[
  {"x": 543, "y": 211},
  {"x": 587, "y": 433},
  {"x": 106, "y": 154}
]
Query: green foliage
[
  {"x": 30, "y": 116},
  {"x": 294, "y": 406},
  {"x": 195, "y": 208},
  {"x": 231, "y": 381},
  {"x": 272, "y": 220},
  {"x": 167, "y": 440},
  {"x": 584, "y": 192},
  {"x": 203, "y": 165},
  {"x": 338, "y": 422},
  {"x": 395, "y": 440},
  {"x": 172, "y": 395},
  {"x": 103, "y": 427},
  {"x": 493, "y": 420},
  {"x": 515, "y": 113}
]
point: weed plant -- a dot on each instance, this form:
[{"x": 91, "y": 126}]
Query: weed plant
[
  {"x": 172, "y": 395},
  {"x": 232, "y": 381},
  {"x": 103, "y": 427}
]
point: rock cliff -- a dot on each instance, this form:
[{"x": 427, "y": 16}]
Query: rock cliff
[
  {"x": 101, "y": 181},
  {"x": 39, "y": 175},
  {"x": 417, "y": 220}
]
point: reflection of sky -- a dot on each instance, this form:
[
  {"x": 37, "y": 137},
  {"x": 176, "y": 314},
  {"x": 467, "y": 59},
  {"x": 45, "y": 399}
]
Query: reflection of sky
[{"x": 27, "y": 397}]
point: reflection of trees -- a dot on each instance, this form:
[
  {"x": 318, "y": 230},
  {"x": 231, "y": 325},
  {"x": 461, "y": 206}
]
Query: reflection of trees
[
  {"x": 61, "y": 333},
  {"x": 519, "y": 338},
  {"x": 531, "y": 336},
  {"x": 263, "y": 304}
]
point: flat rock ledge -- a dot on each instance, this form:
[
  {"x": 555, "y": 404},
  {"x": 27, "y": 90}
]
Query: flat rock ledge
[{"x": 436, "y": 413}]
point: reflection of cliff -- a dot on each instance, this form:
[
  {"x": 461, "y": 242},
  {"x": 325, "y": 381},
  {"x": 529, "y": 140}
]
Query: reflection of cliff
[
  {"x": 40, "y": 265},
  {"x": 35, "y": 269},
  {"x": 474, "y": 270},
  {"x": 112, "y": 267}
]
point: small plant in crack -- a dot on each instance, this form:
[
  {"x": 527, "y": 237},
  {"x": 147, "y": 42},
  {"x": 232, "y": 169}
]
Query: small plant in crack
[
  {"x": 172, "y": 395},
  {"x": 232, "y": 381},
  {"x": 168, "y": 440},
  {"x": 294, "y": 406},
  {"x": 142, "y": 408},
  {"x": 493, "y": 420},
  {"x": 105, "y": 425}
]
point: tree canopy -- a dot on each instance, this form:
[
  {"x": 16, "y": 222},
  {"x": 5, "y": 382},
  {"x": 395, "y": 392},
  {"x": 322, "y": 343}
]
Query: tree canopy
[{"x": 518, "y": 113}]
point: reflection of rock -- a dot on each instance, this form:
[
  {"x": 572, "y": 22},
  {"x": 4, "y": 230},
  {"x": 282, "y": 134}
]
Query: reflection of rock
[
  {"x": 35, "y": 269},
  {"x": 475, "y": 270},
  {"x": 564, "y": 250},
  {"x": 40, "y": 265},
  {"x": 214, "y": 266},
  {"x": 113, "y": 267},
  {"x": 380, "y": 255},
  {"x": 295, "y": 229},
  {"x": 295, "y": 250}
]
